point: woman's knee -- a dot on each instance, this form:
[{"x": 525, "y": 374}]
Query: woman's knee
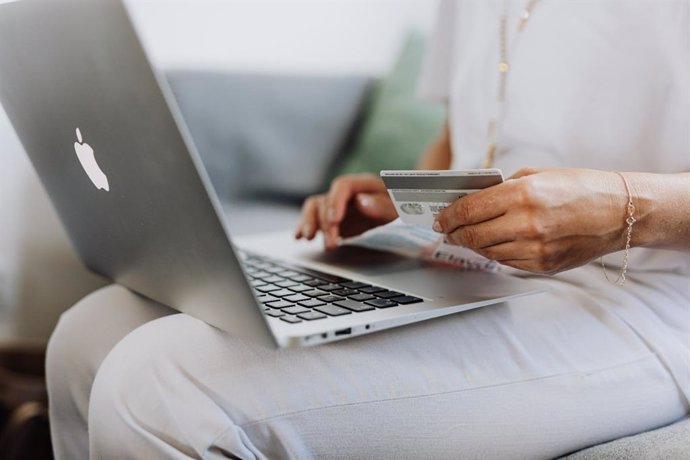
[
  {"x": 148, "y": 399},
  {"x": 72, "y": 355},
  {"x": 87, "y": 332}
]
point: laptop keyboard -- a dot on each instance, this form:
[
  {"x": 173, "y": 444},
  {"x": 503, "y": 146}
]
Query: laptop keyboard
[{"x": 297, "y": 294}]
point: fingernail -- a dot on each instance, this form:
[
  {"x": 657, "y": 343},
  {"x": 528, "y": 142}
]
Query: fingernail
[
  {"x": 437, "y": 227},
  {"x": 365, "y": 201},
  {"x": 330, "y": 215}
]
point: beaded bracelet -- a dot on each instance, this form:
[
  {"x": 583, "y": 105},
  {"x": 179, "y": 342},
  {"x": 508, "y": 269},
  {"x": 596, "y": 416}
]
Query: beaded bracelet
[{"x": 630, "y": 220}]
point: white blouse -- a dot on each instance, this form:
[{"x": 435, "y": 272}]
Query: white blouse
[{"x": 601, "y": 84}]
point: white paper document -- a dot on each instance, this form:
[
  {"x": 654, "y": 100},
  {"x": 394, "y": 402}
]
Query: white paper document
[{"x": 421, "y": 242}]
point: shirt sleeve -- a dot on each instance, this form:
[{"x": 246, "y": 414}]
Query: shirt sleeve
[{"x": 435, "y": 78}]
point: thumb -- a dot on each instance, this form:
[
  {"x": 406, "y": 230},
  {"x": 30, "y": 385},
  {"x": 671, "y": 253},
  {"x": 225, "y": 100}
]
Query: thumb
[{"x": 376, "y": 206}]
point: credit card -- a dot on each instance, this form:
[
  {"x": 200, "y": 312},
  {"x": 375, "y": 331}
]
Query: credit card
[{"x": 419, "y": 196}]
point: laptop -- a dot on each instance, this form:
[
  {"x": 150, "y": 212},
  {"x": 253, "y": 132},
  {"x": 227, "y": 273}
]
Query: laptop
[{"x": 114, "y": 155}]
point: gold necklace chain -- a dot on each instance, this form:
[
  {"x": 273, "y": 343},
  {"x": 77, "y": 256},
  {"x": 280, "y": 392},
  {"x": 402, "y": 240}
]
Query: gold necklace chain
[{"x": 503, "y": 70}]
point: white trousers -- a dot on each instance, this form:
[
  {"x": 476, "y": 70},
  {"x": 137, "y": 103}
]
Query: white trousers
[{"x": 537, "y": 377}]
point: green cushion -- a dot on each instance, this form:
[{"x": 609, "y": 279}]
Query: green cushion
[{"x": 399, "y": 125}]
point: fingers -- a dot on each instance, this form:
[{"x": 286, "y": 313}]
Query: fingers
[
  {"x": 309, "y": 221},
  {"x": 532, "y": 256},
  {"x": 325, "y": 213},
  {"x": 343, "y": 190},
  {"x": 377, "y": 206},
  {"x": 329, "y": 228},
  {"x": 314, "y": 219},
  {"x": 510, "y": 251},
  {"x": 523, "y": 255},
  {"x": 489, "y": 233},
  {"x": 475, "y": 208}
]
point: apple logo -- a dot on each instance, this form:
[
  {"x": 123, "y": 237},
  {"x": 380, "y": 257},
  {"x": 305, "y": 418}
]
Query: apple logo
[{"x": 88, "y": 162}]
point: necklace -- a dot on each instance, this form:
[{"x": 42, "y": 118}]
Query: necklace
[{"x": 503, "y": 70}]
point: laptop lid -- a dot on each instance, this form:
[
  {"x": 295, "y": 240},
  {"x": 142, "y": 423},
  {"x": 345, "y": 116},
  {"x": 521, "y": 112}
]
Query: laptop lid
[{"x": 108, "y": 143}]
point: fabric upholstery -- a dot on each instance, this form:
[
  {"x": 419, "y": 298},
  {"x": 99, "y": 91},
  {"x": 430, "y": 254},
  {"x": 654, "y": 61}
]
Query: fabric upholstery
[
  {"x": 269, "y": 134},
  {"x": 399, "y": 124},
  {"x": 669, "y": 442}
]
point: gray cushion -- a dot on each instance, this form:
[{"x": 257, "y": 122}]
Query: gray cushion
[
  {"x": 669, "y": 442},
  {"x": 269, "y": 134},
  {"x": 246, "y": 217}
]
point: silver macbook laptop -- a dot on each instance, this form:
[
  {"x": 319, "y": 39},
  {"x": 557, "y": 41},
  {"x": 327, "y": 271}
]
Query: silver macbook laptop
[{"x": 110, "y": 147}]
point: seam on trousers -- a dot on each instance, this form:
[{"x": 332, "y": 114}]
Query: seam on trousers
[
  {"x": 421, "y": 396},
  {"x": 653, "y": 349}
]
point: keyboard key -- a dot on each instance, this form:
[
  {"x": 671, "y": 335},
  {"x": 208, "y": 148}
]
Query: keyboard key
[
  {"x": 312, "y": 315},
  {"x": 406, "y": 299},
  {"x": 274, "y": 269},
  {"x": 354, "y": 285},
  {"x": 361, "y": 297},
  {"x": 333, "y": 310},
  {"x": 280, "y": 304},
  {"x": 330, "y": 298},
  {"x": 323, "y": 276},
  {"x": 257, "y": 283},
  {"x": 272, "y": 279},
  {"x": 315, "y": 293},
  {"x": 267, "y": 288},
  {"x": 311, "y": 303},
  {"x": 332, "y": 278},
  {"x": 329, "y": 287},
  {"x": 296, "y": 298},
  {"x": 282, "y": 293},
  {"x": 370, "y": 289},
  {"x": 388, "y": 294},
  {"x": 275, "y": 313},
  {"x": 300, "y": 278},
  {"x": 267, "y": 298},
  {"x": 354, "y": 306},
  {"x": 296, "y": 310},
  {"x": 345, "y": 292},
  {"x": 300, "y": 288},
  {"x": 291, "y": 319},
  {"x": 286, "y": 283},
  {"x": 274, "y": 272},
  {"x": 313, "y": 282},
  {"x": 381, "y": 303}
]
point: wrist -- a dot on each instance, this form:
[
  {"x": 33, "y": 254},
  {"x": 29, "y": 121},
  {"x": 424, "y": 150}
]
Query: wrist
[
  {"x": 647, "y": 204},
  {"x": 620, "y": 191},
  {"x": 630, "y": 221}
]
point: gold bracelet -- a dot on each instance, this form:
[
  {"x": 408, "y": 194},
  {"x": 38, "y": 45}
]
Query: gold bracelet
[{"x": 620, "y": 281}]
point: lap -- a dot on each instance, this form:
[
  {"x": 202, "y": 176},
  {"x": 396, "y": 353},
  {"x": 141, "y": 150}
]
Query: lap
[{"x": 552, "y": 373}]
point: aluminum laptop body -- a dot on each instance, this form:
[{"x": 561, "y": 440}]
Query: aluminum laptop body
[{"x": 114, "y": 155}]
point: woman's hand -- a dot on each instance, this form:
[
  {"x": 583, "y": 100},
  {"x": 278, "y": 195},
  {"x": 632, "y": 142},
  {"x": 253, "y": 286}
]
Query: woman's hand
[
  {"x": 543, "y": 221},
  {"x": 354, "y": 204}
]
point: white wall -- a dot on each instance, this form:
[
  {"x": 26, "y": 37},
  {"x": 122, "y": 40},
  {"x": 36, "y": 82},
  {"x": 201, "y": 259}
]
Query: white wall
[{"x": 294, "y": 36}]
